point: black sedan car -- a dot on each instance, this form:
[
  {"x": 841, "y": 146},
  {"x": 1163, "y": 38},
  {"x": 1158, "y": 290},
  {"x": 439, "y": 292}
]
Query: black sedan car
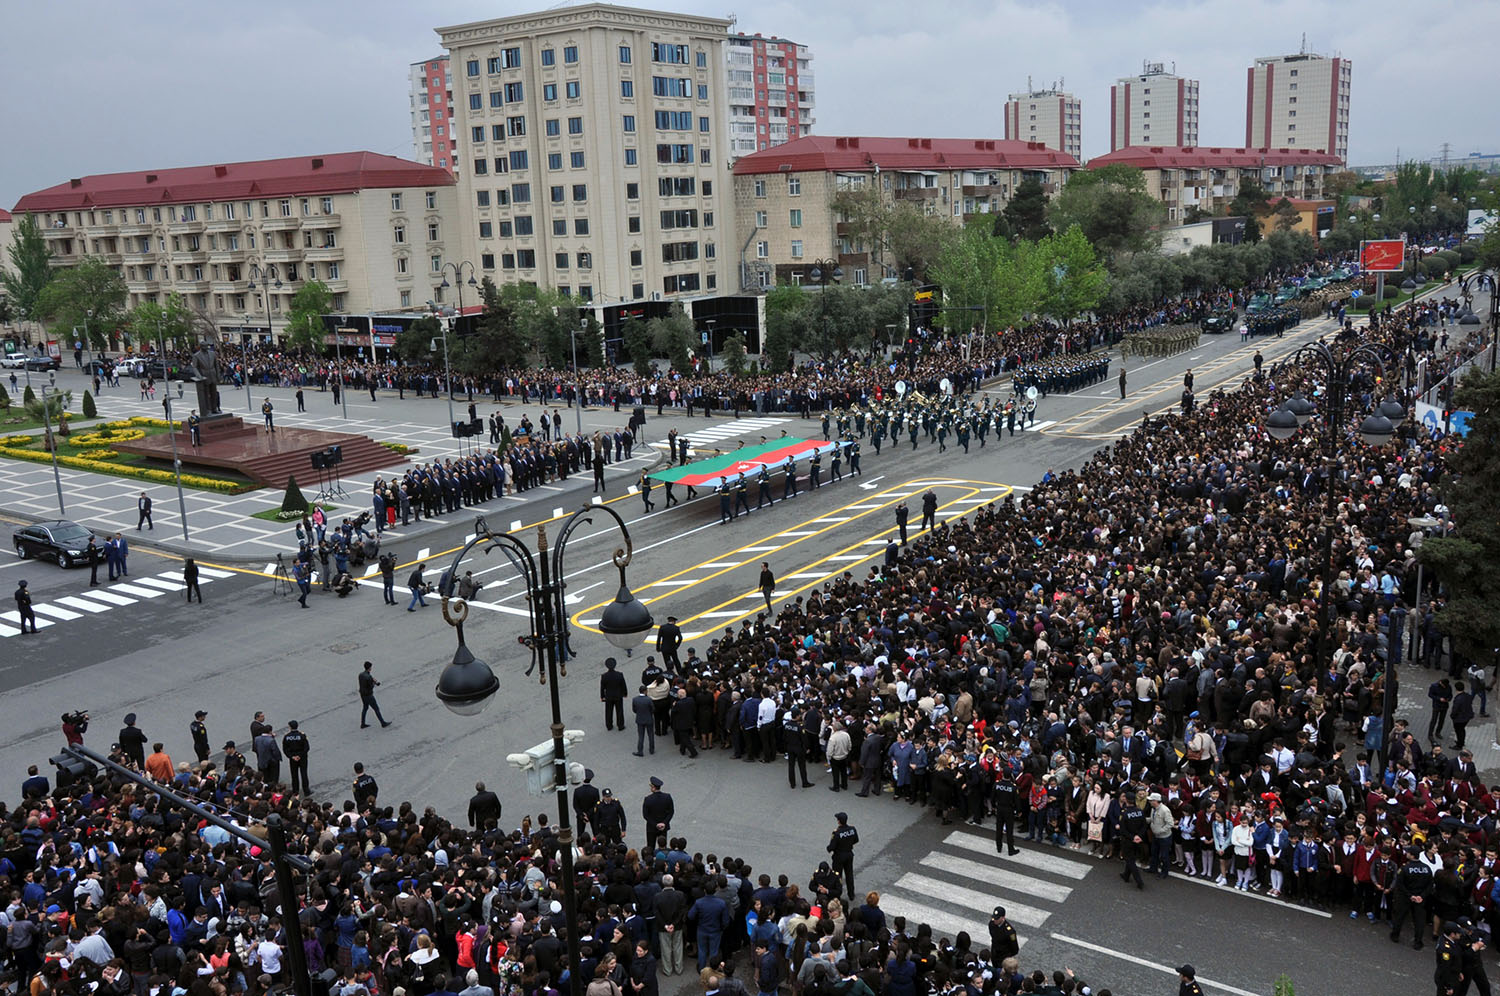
[
  {"x": 60, "y": 540},
  {"x": 43, "y": 363}
]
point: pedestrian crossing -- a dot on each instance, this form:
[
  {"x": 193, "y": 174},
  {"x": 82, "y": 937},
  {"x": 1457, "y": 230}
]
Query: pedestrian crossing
[
  {"x": 94, "y": 601},
  {"x": 956, "y": 886},
  {"x": 748, "y": 430}
]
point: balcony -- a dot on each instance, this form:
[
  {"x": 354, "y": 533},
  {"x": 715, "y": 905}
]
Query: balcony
[
  {"x": 131, "y": 256},
  {"x": 135, "y": 229},
  {"x": 227, "y": 256},
  {"x": 324, "y": 220},
  {"x": 191, "y": 286},
  {"x": 916, "y": 193},
  {"x": 191, "y": 227},
  {"x": 287, "y": 223},
  {"x": 324, "y": 254},
  {"x": 143, "y": 286},
  {"x": 112, "y": 258},
  {"x": 223, "y": 225},
  {"x": 337, "y": 286},
  {"x": 189, "y": 256},
  {"x": 281, "y": 256},
  {"x": 60, "y": 232},
  {"x": 228, "y": 286}
]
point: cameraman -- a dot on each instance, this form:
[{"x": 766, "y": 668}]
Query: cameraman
[
  {"x": 418, "y": 586},
  {"x": 74, "y": 726},
  {"x": 468, "y": 587}
]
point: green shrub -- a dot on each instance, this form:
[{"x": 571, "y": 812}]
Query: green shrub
[
  {"x": 1392, "y": 291},
  {"x": 1467, "y": 252},
  {"x": 293, "y": 501},
  {"x": 89, "y": 409},
  {"x": 4, "y": 398},
  {"x": 28, "y": 396}
]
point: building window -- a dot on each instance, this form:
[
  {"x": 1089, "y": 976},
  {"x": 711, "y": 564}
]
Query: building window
[
  {"x": 507, "y": 229},
  {"x": 554, "y": 128},
  {"x": 630, "y": 159},
  {"x": 549, "y": 91},
  {"x": 476, "y": 133},
  {"x": 516, "y": 126},
  {"x": 627, "y": 89},
  {"x": 432, "y": 231},
  {"x": 520, "y": 193},
  {"x": 762, "y": 250},
  {"x": 710, "y": 251},
  {"x": 502, "y": 198},
  {"x": 573, "y": 89},
  {"x": 704, "y": 157},
  {"x": 476, "y": 102},
  {"x": 794, "y": 186},
  {"x": 401, "y": 264},
  {"x": 796, "y": 248},
  {"x": 575, "y": 126},
  {"x": 518, "y": 159},
  {"x": 708, "y": 219},
  {"x": 560, "y": 260},
  {"x": 398, "y": 234},
  {"x": 575, "y": 159},
  {"x": 526, "y": 259},
  {"x": 523, "y": 225},
  {"x": 760, "y": 188},
  {"x": 637, "y": 291},
  {"x": 437, "y": 264},
  {"x": 513, "y": 93},
  {"x": 481, "y": 167},
  {"x": 633, "y": 225},
  {"x": 487, "y": 261},
  {"x": 580, "y": 226},
  {"x": 624, "y": 55},
  {"x": 570, "y": 54},
  {"x": 556, "y": 194},
  {"x": 406, "y": 299},
  {"x": 497, "y": 101},
  {"x": 559, "y": 226},
  {"x": 794, "y": 217},
  {"x": 554, "y": 160},
  {"x": 549, "y": 57},
  {"x": 636, "y": 257},
  {"x": 628, "y": 123},
  {"x": 486, "y": 230},
  {"x": 580, "y": 193},
  {"x": 702, "y": 59},
  {"x": 472, "y": 67}
]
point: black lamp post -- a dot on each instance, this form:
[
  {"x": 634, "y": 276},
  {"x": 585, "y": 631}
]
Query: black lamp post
[
  {"x": 265, "y": 274},
  {"x": 1376, "y": 429},
  {"x": 458, "y": 276},
  {"x": 1468, "y": 287},
  {"x": 823, "y": 272},
  {"x": 468, "y": 685}
]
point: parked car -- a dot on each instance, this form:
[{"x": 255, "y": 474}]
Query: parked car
[
  {"x": 60, "y": 540},
  {"x": 13, "y": 361},
  {"x": 43, "y": 363}
]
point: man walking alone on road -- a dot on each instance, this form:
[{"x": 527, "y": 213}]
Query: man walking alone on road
[
  {"x": 143, "y": 510},
  {"x": 1122, "y": 383},
  {"x": 767, "y": 583},
  {"x": 367, "y": 686}
]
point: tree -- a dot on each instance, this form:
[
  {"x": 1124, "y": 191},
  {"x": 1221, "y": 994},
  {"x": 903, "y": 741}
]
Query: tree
[
  {"x": 674, "y": 336},
  {"x": 495, "y": 343},
  {"x": 1026, "y": 214},
  {"x": 304, "y": 324},
  {"x": 1250, "y": 203},
  {"x": 973, "y": 272},
  {"x": 1111, "y": 206},
  {"x": 636, "y": 339},
  {"x": 592, "y": 339},
  {"x": 1489, "y": 248},
  {"x": 30, "y": 270},
  {"x": 1286, "y": 214},
  {"x": 293, "y": 501},
  {"x": 1467, "y": 561},
  {"x": 90, "y": 295},
  {"x": 898, "y": 234},
  {"x": 90, "y": 410},
  {"x": 1075, "y": 282},
  {"x": 789, "y": 318},
  {"x": 734, "y": 353},
  {"x": 172, "y": 320},
  {"x": 415, "y": 341}
]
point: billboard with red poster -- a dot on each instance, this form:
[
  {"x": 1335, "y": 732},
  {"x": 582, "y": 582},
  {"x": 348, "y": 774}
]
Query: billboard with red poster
[{"x": 1382, "y": 255}]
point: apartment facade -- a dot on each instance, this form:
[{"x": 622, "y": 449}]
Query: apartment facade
[
  {"x": 432, "y": 138},
  {"x": 1155, "y": 108},
  {"x": 1050, "y": 117},
  {"x": 1299, "y": 102},
  {"x": 1184, "y": 178},
  {"x": 594, "y": 151},
  {"x": 784, "y": 197},
  {"x": 374, "y": 228},
  {"x": 771, "y": 95}
]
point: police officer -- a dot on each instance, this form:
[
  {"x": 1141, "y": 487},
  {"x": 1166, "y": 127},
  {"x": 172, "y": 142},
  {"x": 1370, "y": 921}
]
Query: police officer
[
  {"x": 1187, "y": 984},
  {"x": 365, "y": 789},
  {"x": 295, "y": 746},
  {"x": 657, "y": 810},
  {"x": 1003, "y": 940},
  {"x": 1471, "y": 950},
  {"x": 200, "y": 736},
  {"x": 1006, "y": 798},
  {"x": 1133, "y": 837},
  {"x": 1449, "y": 975},
  {"x": 609, "y": 818},
  {"x": 929, "y": 510},
  {"x": 794, "y": 740},
  {"x": 841, "y": 845},
  {"x": 1413, "y": 888}
]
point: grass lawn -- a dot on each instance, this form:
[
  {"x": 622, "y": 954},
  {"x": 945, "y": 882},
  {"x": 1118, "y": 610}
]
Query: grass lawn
[
  {"x": 274, "y": 514},
  {"x": 16, "y": 419}
]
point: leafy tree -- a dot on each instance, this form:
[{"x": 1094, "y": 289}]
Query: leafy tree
[
  {"x": 789, "y": 318},
  {"x": 591, "y": 340},
  {"x": 1286, "y": 215},
  {"x": 1026, "y": 214},
  {"x": 415, "y": 341},
  {"x": 971, "y": 271},
  {"x": 30, "y": 270},
  {"x": 636, "y": 338},
  {"x": 1489, "y": 248},
  {"x": 304, "y": 324},
  {"x": 90, "y": 410},
  {"x": 1112, "y": 208},
  {"x": 1250, "y": 202},
  {"x": 734, "y": 353},
  {"x": 1467, "y": 561},
  {"x": 496, "y": 342},
  {"x": 1075, "y": 281},
  {"x": 4, "y": 398},
  {"x": 674, "y": 336},
  {"x": 172, "y": 320},
  {"x": 898, "y": 234},
  {"x": 91, "y": 286}
]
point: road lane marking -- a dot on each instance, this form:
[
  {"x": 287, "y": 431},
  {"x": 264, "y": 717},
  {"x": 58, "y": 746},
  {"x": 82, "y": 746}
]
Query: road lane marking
[
  {"x": 110, "y": 597},
  {"x": 980, "y": 902},
  {"x": 1165, "y": 969},
  {"x": 43, "y": 609},
  {"x": 72, "y": 601}
]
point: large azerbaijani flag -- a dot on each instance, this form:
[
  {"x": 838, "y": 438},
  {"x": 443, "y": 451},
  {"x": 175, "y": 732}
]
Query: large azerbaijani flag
[{"x": 746, "y": 460}]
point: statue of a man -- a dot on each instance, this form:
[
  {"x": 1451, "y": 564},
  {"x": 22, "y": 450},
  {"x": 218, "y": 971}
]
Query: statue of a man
[{"x": 205, "y": 370}]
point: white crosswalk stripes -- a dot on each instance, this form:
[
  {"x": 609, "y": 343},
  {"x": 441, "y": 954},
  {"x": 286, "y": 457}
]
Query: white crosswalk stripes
[
  {"x": 957, "y": 885},
  {"x": 119, "y": 594},
  {"x": 707, "y": 433}
]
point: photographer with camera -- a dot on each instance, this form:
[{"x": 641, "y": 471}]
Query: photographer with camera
[
  {"x": 419, "y": 587},
  {"x": 468, "y": 587},
  {"x": 74, "y": 726}
]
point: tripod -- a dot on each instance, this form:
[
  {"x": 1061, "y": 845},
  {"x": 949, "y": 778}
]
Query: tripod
[
  {"x": 336, "y": 487},
  {"x": 281, "y": 579},
  {"x": 320, "y": 463}
]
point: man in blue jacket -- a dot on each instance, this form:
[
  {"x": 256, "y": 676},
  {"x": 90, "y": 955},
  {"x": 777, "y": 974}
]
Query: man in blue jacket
[{"x": 710, "y": 915}]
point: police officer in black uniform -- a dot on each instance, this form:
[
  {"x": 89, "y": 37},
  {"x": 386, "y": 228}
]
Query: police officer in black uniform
[
  {"x": 1449, "y": 974},
  {"x": 200, "y": 736},
  {"x": 903, "y": 514},
  {"x": 1133, "y": 837},
  {"x": 1003, "y": 940},
  {"x": 1412, "y": 890},
  {"x": 794, "y": 740},
  {"x": 609, "y": 818},
  {"x": 841, "y": 845},
  {"x": 295, "y": 746},
  {"x": 1006, "y": 799},
  {"x": 1187, "y": 984},
  {"x": 1471, "y": 951}
]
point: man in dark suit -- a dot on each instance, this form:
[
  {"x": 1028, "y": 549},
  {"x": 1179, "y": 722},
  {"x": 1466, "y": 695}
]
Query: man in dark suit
[
  {"x": 645, "y": 721},
  {"x": 657, "y": 809},
  {"x": 585, "y": 800},
  {"x": 668, "y": 640},
  {"x": 1132, "y": 746},
  {"x": 684, "y": 715},
  {"x": 612, "y": 692},
  {"x": 483, "y": 806}
]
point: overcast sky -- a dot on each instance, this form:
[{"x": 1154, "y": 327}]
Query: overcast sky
[{"x": 97, "y": 86}]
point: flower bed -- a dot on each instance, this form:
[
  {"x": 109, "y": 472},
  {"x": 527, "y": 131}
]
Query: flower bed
[{"x": 104, "y": 436}]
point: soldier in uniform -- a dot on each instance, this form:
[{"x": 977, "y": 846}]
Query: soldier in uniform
[
  {"x": 741, "y": 495},
  {"x": 726, "y": 510},
  {"x": 814, "y": 466},
  {"x": 789, "y": 472},
  {"x": 763, "y": 482},
  {"x": 200, "y": 736},
  {"x": 834, "y": 460}
]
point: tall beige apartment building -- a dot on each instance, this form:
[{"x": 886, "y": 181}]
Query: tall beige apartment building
[
  {"x": 1050, "y": 117},
  {"x": 1156, "y": 107},
  {"x": 593, "y": 154},
  {"x": 1298, "y": 102}
]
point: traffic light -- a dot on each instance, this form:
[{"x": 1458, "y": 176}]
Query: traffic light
[{"x": 540, "y": 765}]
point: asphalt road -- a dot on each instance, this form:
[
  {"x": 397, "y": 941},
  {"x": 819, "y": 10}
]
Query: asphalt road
[{"x": 250, "y": 648}]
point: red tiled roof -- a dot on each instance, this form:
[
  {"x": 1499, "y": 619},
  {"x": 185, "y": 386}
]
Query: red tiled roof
[
  {"x": 1205, "y": 157},
  {"x": 829, "y": 153},
  {"x": 301, "y": 175},
  {"x": 4, "y": 215}
]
